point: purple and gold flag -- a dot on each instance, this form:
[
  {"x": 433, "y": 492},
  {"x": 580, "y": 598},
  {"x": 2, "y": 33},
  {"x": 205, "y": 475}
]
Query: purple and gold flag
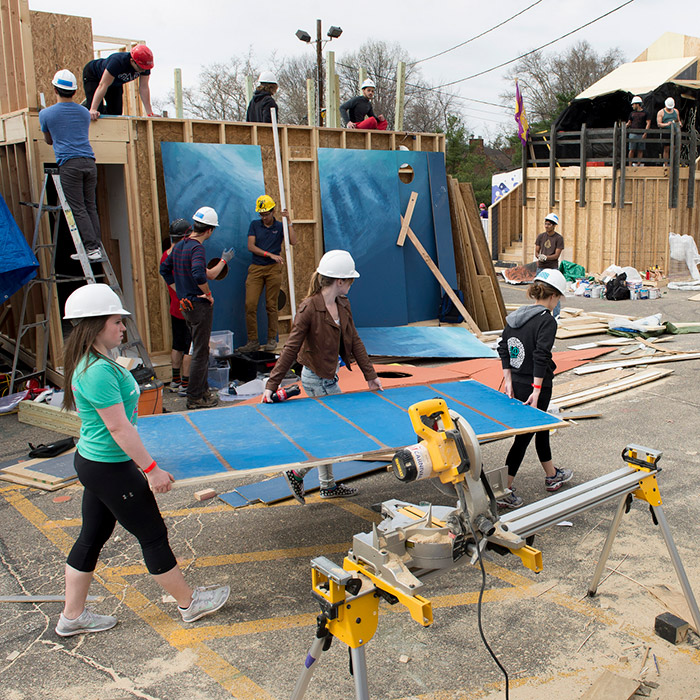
[{"x": 520, "y": 116}]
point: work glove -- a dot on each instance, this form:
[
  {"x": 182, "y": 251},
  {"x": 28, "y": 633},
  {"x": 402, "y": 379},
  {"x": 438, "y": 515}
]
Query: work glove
[
  {"x": 542, "y": 257},
  {"x": 227, "y": 255}
]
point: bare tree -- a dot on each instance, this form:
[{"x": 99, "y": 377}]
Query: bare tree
[
  {"x": 291, "y": 98},
  {"x": 549, "y": 81}
]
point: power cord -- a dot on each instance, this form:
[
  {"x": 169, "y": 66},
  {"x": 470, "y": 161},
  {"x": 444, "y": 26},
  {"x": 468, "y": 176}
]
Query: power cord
[{"x": 478, "y": 610}]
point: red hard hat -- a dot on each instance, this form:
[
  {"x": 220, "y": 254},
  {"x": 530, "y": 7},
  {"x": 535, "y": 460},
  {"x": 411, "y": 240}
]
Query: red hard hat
[{"x": 142, "y": 56}]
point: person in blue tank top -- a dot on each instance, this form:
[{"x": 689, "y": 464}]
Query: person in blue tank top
[
  {"x": 117, "y": 472},
  {"x": 66, "y": 126},
  {"x": 668, "y": 118}
]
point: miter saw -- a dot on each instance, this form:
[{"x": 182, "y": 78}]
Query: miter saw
[{"x": 416, "y": 542}]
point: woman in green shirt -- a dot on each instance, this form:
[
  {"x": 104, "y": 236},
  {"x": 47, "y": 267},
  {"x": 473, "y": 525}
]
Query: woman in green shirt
[{"x": 118, "y": 474}]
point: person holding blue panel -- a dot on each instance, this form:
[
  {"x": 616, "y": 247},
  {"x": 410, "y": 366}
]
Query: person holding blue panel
[
  {"x": 525, "y": 350},
  {"x": 104, "y": 80},
  {"x": 118, "y": 474},
  {"x": 66, "y": 126},
  {"x": 323, "y": 331}
]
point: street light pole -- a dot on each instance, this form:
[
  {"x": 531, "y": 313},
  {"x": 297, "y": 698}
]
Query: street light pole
[{"x": 319, "y": 70}]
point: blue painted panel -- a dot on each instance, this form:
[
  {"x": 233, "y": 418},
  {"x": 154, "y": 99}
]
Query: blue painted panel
[
  {"x": 229, "y": 430},
  {"x": 316, "y": 429},
  {"x": 229, "y": 178},
  {"x": 373, "y": 414},
  {"x": 177, "y": 447},
  {"x": 234, "y": 499},
  {"x": 424, "y": 341},
  {"x": 61, "y": 466},
  {"x": 360, "y": 202},
  {"x": 510, "y": 412},
  {"x": 441, "y": 217},
  {"x": 407, "y": 396},
  {"x": 422, "y": 289}
]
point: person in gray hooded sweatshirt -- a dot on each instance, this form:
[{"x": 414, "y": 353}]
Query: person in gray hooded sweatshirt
[{"x": 525, "y": 350}]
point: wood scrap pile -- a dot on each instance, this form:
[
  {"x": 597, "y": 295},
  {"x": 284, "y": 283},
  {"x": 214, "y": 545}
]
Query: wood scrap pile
[
  {"x": 47, "y": 474},
  {"x": 475, "y": 272},
  {"x": 577, "y": 322}
]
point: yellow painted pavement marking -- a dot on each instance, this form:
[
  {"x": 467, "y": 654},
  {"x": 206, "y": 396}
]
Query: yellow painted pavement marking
[{"x": 215, "y": 666}]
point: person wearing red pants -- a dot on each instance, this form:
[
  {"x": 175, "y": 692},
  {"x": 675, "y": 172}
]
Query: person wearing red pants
[{"x": 357, "y": 113}]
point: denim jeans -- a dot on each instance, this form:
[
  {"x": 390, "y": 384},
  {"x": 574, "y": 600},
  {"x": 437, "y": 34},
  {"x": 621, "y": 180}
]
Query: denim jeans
[{"x": 316, "y": 386}]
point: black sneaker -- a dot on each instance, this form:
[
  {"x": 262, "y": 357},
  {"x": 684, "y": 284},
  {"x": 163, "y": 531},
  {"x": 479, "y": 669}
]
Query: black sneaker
[
  {"x": 339, "y": 491},
  {"x": 296, "y": 486}
]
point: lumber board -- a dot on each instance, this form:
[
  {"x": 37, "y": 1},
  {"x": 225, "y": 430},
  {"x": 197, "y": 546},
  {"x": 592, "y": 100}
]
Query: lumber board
[
  {"x": 22, "y": 481},
  {"x": 44, "y": 598},
  {"x": 563, "y": 333},
  {"x": 488, "y": 298},
  {"x": 674, "y": 601},
  {"x": 406, "y": 218},
  {"x": 633, "y": 362},
  {"x": 443, "y": 282},
  {"x": 460, "y": 252},
  {"x": 609, "y": 389},
  {"x": 50, "y": 417},
  {"x": 28, "y": 473},
  {"x": 610, "y": 686},
  {"x": 573, "y": 386}
]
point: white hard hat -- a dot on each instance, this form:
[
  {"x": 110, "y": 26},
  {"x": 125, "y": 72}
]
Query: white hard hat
[
  {"x": 94, "y": 300},
  {"x": 367, "y": 83},
  {"x": 553, "y": 278},
  {"x": 553, "y": 218},
  {"x": 670, "y": 103},
  {"x": 267, "y": 76},
  {"x": 206, "y": 215},
  {"x": 636, "y": 100},
  {"x": 65, "y": 80},
  {"x": 337, "y": 264}
]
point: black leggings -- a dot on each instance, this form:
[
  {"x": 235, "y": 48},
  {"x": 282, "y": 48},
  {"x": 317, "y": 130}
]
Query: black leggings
[
  {"x": 519, "y": 447},
  {"x": 119, "y": 492}
]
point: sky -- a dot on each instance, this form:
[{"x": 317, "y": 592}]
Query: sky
[{"x": 189, "y": 35}]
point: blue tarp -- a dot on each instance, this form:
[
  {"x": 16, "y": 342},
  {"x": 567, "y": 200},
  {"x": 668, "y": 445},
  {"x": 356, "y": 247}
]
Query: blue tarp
[{"x": 17, "y": 262}]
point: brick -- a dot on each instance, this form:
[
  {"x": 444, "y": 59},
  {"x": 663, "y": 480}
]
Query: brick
[
  {"x": 204, "y": 494},
  {"x": 671, "y": 628}
]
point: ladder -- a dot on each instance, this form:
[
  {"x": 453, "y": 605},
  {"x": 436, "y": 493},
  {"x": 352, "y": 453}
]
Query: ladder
[{"x": 134, "y": 339}]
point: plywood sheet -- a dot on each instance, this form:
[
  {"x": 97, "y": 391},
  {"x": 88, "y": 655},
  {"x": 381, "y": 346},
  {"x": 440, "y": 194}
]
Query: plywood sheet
[
  {"x": 423, "y": 341},
  {"x": 228, "y": 178},
  {"x": 441, "y": 217}
]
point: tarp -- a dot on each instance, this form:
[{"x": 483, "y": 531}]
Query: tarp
[{"x": 17, "y": 262}]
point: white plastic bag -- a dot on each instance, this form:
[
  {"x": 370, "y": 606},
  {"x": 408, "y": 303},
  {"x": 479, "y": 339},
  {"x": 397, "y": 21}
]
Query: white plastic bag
[{"x": 684, "y": 249}]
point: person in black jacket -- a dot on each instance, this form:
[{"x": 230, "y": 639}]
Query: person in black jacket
[
  {"x": 357, "y": 113},
  {"x": 263, "y": 100},
  {"x": 525, "y": 350}
]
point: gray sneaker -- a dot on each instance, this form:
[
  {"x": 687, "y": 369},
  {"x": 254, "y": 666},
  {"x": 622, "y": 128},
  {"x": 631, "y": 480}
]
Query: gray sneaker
[
  {"x": 87, "y": 622},
  {"x": 554, "y": 483},
  {"x": 510, "y": 500},
  {"x": 205, "y": 601}
]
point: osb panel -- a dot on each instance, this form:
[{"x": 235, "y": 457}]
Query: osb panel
[
  {"x": 301, "y": 151},
  {"x": 355, "y": 139},
  {"x": 270, "y": 172},
  {"x": 301, "y": 189},
  {"x": 205, "y": 133},
  {"x": 329, "y": 139},
  {"x": 265, "y": 137},
  {"x": 305, "y": 261},
  {"x": 60, "y": 41},
  {"x": 381, "y": 141},
  {"x": 239, "y": 133},
  {"x": 299, "y": 137}
]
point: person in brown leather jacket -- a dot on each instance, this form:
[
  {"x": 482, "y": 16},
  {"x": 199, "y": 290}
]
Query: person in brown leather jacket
[{"x": 323, "y": 330}]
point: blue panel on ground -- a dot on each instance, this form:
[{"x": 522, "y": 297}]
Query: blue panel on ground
[
  {"x": 229, "y": 178},
  {"x": 230, "y": 431},
  {"x": 234, "y": 499},
  {"x": 177, "y": 447},
  {"x": 424, "y": 341},
  {"x": 510, "y": 412},
  {"x": 277, "y": 489},
  {"x": 441, "y": 217},
  {"x": 371, "y": 412},
  {"x": 360, "y": 202},
  {"x": 316, "y": 429},
  {"x": 407, "y": 396},
  {"x": 422, "y": 289},
  {"x": 61, "y": 466}
]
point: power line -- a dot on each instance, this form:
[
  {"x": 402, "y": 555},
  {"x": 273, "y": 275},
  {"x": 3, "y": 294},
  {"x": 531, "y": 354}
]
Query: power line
[
  {"x": 549, "y": 43},
  {"x": 478, "y": 36}
]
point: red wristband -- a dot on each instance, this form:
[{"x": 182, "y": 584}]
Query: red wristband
[
  {"x": 536, "y": 386},
  {"x": 150, "y": 467}
]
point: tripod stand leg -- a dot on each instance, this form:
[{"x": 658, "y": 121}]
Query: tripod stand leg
[
  {"x": 612, "y": 532},
  {"x": 321, "y": 643},
  {"x": 359, "y": 672},
  {"x": 678, "y": 565}
]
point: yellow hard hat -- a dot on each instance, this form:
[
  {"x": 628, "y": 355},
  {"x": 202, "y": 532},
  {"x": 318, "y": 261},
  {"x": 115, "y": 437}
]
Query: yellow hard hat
[{"x": 264, "y": 203}]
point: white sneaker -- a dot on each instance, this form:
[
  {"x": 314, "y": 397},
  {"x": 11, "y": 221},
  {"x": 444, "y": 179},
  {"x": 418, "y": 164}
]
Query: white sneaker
[
  {"x": 92, "y": 256},
  {"x": 88, "y": 621},
  {"x": 205, "y": 601}
]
